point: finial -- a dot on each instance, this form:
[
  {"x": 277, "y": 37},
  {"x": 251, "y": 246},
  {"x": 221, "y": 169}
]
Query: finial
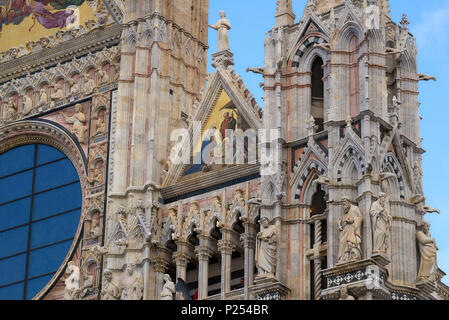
[{"x": 404, "y": 22}]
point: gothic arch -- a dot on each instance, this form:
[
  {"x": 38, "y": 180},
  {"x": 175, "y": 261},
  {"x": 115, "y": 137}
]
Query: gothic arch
[
  {"x": 313, "y": 167},
  {"x": 343, "y": 38},
  {"x": 305, "y": 53},
  {"x": 397, "y": 187},
  {"x": 351, "y": 157}
]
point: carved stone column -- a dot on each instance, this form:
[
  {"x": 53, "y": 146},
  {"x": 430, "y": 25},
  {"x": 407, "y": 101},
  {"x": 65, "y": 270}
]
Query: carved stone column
[
  {"x": 249, "y": 243},
  {"x": 226, "y": 248},
  {"x": 204, "y": 254},
  {"x": 317, "y": 259},
  {"x": 160, "y": 265},
  {"x": 181, "y": 259}
]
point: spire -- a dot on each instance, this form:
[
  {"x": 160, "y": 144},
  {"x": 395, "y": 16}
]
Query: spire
[{"x": 284, "y": 13}]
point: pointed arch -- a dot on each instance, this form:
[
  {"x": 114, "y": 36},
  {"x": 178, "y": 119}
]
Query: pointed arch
[
  {"x": 312, "y": 167},
  {"x": 396, "y": 186},
  {"x": 352, "y": 157}
]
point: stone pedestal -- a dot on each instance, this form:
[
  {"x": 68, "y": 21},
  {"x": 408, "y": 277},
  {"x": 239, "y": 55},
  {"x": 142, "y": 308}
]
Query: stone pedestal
[
  {"x": 268, "y": 288},
  {"x": 364, "y": 279}
]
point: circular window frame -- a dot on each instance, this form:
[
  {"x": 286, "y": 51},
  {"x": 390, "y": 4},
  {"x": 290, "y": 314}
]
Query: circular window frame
[{"x": 47, "y": 133}]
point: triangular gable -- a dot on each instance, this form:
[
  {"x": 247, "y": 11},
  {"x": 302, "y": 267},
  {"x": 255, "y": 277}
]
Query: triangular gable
[
  {"x": 312, "y": 24},
  {"x": 225, "y": 93}
]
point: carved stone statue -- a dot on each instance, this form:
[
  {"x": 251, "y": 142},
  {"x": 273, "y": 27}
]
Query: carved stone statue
[
  {"x": 103, "y": 77},
  {"x": 57, "y": 95},
  {"x": 10, "y": 109},
  {"x": 266, "y": 249},
  {"x": 43, "y": 97},
  {"x": 95, "y": 229},
  {"x": 74, "y": 87},
  {"x": 78, "y": 120},
  {"x": 428, "y": 253},
  {"x": 169, "y": 288},
  {"x": 417, "y": 177},
  {"x": 100, "y": 127},
  {"x": 110, "y": 291},
  {"x": 381, "y": 224},
  {"x": 88, "y": 283},
  {"x": 344, "y": 294},
  {"x": 97, "y": 177},
  {"x": 89, "y": 84},
  {"x": 350, "y": 226},
  {"x": 222, "y": 26},
  {"x": 27, "y": 105},
  {"x": 132, "y": 284},
  {"x": 72, "y": 282}
]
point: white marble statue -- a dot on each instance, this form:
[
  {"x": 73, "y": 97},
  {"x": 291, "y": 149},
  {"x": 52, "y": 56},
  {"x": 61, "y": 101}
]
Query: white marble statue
[
  {"x": 417, "y": 177},
  {"x": 79, "y": 123},
  {"x": 350, "y": 226},
  {"x": 74, "y": 87},
  {"x": 43, "y": 98},
  {"x": 110, "y": 291},
  {"x": 103, "y": 77},
  {"x": 57, "y": 95},
  {"x": 222, "y": 26},
  {"x": 428, "y": 252},
  {"x": 132, "y": 286},
  {"x": 72, "y": 282},
  {"x": 89, "y": 84},
  {"x": 266, "y": 247},
  {"x": 27, "y": 105},
  {"x": 10, "y": 109},
  {"x": 168, "y": 290},
  {"x": 381, "y": 224}
]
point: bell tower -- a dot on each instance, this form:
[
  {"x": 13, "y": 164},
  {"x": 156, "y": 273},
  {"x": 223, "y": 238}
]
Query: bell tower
[{"x": 341, "y": 89}]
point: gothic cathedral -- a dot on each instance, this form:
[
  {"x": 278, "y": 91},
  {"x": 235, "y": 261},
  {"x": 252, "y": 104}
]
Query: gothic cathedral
[{"x": 116, "y": 180}]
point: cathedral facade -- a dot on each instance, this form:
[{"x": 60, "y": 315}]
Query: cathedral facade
[{"x": 127, "y": 172}]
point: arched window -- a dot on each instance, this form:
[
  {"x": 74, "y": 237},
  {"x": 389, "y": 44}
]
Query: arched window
[
  {"x": 318, "y": 93},
  {"x": 354, "y": 77},
  {"x": 40, "y": 209}
]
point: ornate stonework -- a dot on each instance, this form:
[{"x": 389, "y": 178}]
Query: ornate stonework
[{"x": 340, "y": 217}]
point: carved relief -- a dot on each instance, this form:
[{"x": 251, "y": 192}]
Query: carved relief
[
  {"x": 78, "y": 120},
  {"x": 132, "y": 285},
  {"x": 110, "y": 290},
  {"x": 72, "y": 282}
]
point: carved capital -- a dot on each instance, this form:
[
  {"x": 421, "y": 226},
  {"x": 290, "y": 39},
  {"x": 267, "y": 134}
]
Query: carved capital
[
  {"x": 248, "y": 240},
  {"x": 181, "y": 259},
  {"x": 203, "y": 253},
  {"x": 226, "y": 247},
  {"x": 160, "y": 265}
]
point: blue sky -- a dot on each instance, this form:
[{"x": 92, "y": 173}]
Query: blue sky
[{"x": 429, "y": 22}]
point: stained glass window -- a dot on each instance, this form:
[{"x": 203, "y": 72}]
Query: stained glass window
[{"x": 40, "y": 208}]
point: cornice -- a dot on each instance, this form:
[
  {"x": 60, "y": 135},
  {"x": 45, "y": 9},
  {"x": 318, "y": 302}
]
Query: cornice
[{"x": 60, "y": 53}]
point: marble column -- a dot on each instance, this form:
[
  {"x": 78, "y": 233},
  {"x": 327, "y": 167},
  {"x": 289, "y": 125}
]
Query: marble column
[
  {"x": 160, "y": 266},
  {"x": 226, "y": 248},
  {"x": 181, "y": 259},
  {"x": 204, "y": 254},
  {"x": 249, "y": 243},
  {"x": 317, "y": 259}
]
